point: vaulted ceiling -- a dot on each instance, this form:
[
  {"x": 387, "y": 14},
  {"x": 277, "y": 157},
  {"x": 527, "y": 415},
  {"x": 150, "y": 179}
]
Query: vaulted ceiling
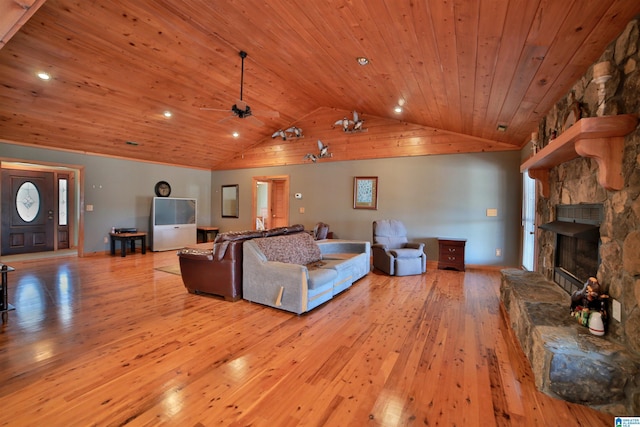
[{"x": 458, "y": 68}]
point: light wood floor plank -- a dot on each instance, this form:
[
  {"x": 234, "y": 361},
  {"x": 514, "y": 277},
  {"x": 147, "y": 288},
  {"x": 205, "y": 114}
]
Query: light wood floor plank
[{"x": 112, "y": 341}]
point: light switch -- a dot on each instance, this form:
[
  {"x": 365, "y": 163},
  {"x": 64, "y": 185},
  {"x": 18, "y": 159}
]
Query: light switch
[
  {"x": 301, "y": 210},
  {"x": 89, "y": 208},
  {"x": 492, "y": 212}
]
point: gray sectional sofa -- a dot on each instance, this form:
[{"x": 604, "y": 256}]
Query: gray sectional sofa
[{"x": 296, "y": 273}]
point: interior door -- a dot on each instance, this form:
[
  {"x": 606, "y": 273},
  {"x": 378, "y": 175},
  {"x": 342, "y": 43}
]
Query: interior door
[
  {"x": 28, "y": 206},
  {"x": 279, "y": 210}
]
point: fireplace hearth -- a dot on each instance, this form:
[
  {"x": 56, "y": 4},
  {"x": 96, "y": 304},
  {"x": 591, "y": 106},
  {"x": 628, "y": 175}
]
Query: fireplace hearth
[
  {"x": 566, "y": 360},
  {"x": 577, "y": 229}
]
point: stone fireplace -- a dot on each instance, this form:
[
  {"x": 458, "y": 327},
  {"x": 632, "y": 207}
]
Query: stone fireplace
[
  {"x": 575, "y": 182},
  {"x": 613, "y": 256}
]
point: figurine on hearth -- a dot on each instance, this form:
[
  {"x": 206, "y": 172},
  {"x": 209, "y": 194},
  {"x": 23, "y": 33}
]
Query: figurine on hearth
[{"x": 588, "y": 299}]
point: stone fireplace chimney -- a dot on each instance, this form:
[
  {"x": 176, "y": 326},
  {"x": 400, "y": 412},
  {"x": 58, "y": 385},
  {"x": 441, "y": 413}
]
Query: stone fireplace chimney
[
  {"x": 588, "y": 212},
  {"x": 575, "y": 182}
]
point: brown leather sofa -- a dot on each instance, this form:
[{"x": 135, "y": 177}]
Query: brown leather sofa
[{"x": 218, "y": 271}]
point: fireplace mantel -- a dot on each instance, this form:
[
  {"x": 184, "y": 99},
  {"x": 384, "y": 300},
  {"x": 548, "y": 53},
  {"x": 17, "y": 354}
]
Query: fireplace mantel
[{"x": 599, "y": 138}]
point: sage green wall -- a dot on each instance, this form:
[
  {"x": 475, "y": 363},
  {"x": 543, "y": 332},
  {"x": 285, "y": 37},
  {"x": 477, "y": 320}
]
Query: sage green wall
[
  {"x": 120, "y": 191},
  {"x": 435, "y": 196}
]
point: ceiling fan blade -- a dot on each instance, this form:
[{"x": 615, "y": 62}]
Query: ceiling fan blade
[
  {"x": 214, "y": 109},
  {"x": 254, "y": 121},
  {"x": 266, "y": 113},
  {"x": 225, "y": 119}
]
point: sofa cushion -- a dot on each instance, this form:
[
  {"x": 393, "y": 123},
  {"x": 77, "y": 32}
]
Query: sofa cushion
[
  {"x": 320, "y": 277},
  {"x": 316, "y": 265},
  {"x": 299, "y": 248}
]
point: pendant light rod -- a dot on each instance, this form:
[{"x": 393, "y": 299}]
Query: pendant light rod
[{"x": 243, "y": 55}]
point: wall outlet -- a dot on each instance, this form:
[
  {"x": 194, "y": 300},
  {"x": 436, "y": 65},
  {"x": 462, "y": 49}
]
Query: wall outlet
[
  {"x": 616, "y": 310},
  {"x": 89, "y": 208},
  {"x": 498, "y": 252},
  {"x": 106, "y": 239}
]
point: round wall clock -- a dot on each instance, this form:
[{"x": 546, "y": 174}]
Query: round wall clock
[{"x": 163, "y": 189}]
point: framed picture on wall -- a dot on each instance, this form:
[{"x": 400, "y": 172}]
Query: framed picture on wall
[{"x": 365, "y": 192}]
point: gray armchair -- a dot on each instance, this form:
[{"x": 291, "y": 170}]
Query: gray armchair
[
  {"x": 393, "y": 253},
  {"x": 321, "y": 231}
]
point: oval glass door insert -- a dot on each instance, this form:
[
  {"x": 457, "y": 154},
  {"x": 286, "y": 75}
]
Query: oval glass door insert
[{"x": 28, "y": 201}]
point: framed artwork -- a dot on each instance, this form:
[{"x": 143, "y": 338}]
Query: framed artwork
[{"x": 365, "y": 192}]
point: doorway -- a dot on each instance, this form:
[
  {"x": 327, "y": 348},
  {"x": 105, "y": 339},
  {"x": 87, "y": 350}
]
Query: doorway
[
  {"x": 528, "y": 222},
  {"x": 270, "y": 207},
  {"x": 40, "y": 213}
]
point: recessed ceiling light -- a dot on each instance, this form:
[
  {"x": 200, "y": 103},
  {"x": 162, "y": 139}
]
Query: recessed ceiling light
[
  {"x": 502, "y": 128},
  {"x": 167, "y": 114},
  {"x": 43, "y": 75},
  {"x": 235, "y": 134},
  {"x": 362, "y": 60},
  {"x": 135, "y": 144},
  {"x": 398, "y": 109}
]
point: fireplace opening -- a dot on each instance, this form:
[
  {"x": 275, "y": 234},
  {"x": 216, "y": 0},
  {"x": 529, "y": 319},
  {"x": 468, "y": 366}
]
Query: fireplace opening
[
  {"x": 577, "y": 248},
  {"x": 576, "y": 261}
]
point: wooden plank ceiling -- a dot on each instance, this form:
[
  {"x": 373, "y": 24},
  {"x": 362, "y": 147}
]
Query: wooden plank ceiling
[{"x": 459, "y": 68}]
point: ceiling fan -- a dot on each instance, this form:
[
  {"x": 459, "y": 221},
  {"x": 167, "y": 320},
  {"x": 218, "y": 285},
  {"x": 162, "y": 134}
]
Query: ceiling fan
[{"x": 240, "y": 109}]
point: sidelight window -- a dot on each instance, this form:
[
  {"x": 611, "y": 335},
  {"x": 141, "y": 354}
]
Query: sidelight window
[{"x": 63, "y": 212}]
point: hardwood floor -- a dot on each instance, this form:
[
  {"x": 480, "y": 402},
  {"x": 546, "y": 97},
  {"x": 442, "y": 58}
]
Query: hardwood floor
[{"x": 112, "y": 341}]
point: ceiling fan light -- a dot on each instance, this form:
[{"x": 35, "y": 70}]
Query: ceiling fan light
[{"x": 362, "y": 60}]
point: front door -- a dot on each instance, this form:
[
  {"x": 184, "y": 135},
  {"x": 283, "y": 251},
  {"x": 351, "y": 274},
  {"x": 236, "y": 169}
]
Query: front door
[{"x": 28, "y": 203}]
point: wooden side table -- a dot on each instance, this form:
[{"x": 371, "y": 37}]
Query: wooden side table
[
  {"x": 130, "y": 238},
  {"x": 204, "y": 232},
  {"x": 451, "y": 254}
]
